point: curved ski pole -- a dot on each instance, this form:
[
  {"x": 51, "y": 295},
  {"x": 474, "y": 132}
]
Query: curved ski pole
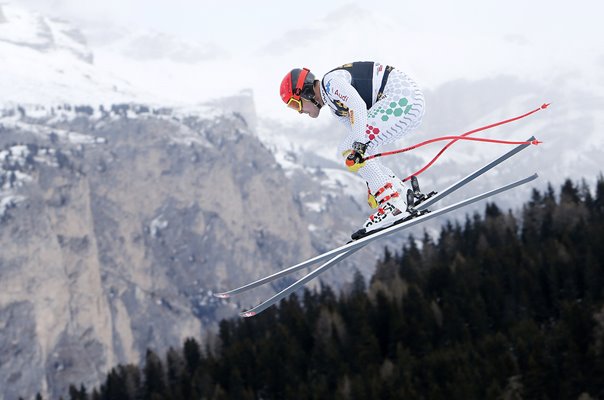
[
  {"x": 425, "y": 167},
  {"x": 450, "y": 138},
  {"x": 439, "y": 196},
  {"x": 354, "y": 246}
]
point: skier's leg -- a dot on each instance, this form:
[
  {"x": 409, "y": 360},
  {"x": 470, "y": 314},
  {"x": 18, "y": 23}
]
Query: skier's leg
[{"x": 398, "y": 113}]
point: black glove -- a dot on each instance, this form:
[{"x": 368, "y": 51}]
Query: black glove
[
  {"x": 360, "y": 147},
  {"x": 354, "y": 157}
]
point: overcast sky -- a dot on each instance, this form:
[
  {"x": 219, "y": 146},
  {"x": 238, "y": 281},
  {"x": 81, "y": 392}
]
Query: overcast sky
[{"x": 235, "y": 21}]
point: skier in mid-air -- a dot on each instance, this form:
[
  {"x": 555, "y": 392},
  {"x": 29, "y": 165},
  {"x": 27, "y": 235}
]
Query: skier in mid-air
[{"x": 378, "y": 104}]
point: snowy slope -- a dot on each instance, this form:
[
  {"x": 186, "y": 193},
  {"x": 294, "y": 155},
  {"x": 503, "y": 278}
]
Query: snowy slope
[
  {"x": 45, "y": 61},
  {"x": 32, "y": 30}
]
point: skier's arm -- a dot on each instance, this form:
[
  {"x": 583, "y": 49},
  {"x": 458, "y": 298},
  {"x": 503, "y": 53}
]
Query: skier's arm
[
  {"x": 344, "y": 92},
  {"x": 345, "y": 122}
]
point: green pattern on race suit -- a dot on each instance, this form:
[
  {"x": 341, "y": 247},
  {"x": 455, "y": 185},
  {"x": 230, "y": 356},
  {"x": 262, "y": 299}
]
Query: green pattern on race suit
[{"x": 392, "y": 109}]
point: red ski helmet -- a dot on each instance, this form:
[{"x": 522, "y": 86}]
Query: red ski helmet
[{"x": 296, "y": 85}]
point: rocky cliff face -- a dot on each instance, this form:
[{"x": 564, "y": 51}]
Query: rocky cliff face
[{"x": 115, "y": 227}]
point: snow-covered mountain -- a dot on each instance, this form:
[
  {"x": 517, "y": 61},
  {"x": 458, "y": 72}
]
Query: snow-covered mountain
[
  {"x": 32, "y": 30},
  {"x": 47, "y": 61}
]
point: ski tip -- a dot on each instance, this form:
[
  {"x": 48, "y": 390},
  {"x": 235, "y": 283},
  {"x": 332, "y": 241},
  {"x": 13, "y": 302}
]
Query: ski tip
[
  {"x": 247, "y": 314},
  {"x": 545, "y": 105},
  {"x": 222, "y": 295}
]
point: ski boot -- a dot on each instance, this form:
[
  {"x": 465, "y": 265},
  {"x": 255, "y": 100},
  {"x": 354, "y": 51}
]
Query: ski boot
[{"x": 392, "y": 209}]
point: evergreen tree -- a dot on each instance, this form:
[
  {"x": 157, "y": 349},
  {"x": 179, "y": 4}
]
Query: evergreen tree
[
  {"x": 192, "y": 355},
  {"x": 176, "y": 375},
  {"x": 115, "y": 386},
  {"x": 78, "y": 394},
  {"x": 154, "y": 386}
]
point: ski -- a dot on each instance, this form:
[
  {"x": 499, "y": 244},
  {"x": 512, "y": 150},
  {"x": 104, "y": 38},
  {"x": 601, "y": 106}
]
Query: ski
[
  {"x": 421, "y": 207},
  {"x": 358, "y": 244},
  {"x": 296, "y": 285}
]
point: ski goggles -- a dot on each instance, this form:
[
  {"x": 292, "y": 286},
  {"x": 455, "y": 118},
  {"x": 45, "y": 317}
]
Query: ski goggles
[{"x": 295, "y": 104}]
